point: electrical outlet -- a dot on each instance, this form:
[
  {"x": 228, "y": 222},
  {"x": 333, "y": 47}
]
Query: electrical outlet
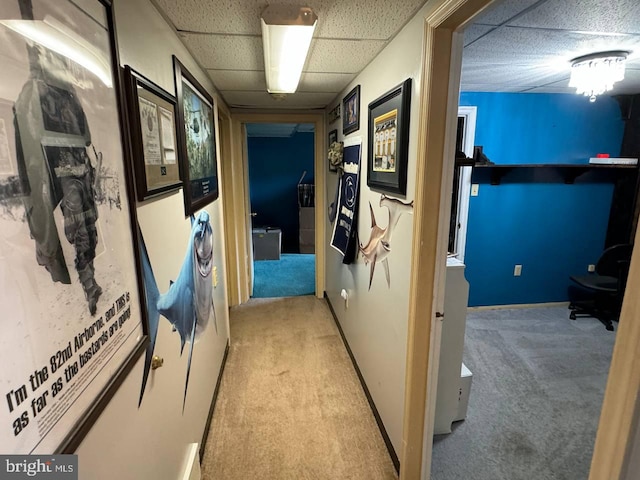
[
  {"x": 474, "y": 189},
  {"x": 517, "y": 270},
  {"x": 345, "y": 296},
  {"x": 591, "y": 268},
  {"x": 215, "y": 277}
]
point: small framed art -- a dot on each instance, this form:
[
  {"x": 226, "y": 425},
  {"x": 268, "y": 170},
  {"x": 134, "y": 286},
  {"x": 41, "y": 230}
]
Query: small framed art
[{"x": 351, "y": 111}]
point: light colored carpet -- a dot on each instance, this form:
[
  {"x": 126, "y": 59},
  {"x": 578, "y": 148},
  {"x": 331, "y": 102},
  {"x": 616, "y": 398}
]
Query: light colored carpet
[
  {"x": 537, "y": 390},
  {"x": 290, "y": 404}
]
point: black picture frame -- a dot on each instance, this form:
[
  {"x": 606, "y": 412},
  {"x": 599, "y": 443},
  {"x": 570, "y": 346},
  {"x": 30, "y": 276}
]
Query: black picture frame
[
  {"x": 351, "y": 111},
  {"x": 155, "y": 152},
  {"x": 196, "y": 131},
  {"x": 102, "y": 96},
  {"x": 388, "y": 156}
]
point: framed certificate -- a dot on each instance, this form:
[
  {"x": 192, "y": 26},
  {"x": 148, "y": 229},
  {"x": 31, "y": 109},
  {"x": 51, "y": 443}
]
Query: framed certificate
[{"x": 152, "y": 118}]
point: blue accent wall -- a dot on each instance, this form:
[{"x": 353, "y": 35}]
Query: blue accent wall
[
  {"x": 533, "y": 218},
  {"x": 275, "y": 167}
]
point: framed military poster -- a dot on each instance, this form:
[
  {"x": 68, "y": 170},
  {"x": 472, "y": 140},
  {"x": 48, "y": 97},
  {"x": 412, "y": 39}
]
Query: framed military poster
[{"x": 73, "y": 323}]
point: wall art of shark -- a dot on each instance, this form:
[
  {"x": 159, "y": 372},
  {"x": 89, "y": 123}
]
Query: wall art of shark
[
  {"x": 188, "y": 304},
  {"x": 378, "y": 248}
]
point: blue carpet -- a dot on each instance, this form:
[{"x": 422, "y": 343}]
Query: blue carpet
[{"x": 291, "y": 276}]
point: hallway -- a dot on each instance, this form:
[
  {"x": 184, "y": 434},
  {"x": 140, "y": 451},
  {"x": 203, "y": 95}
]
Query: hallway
[{"x": 290, "y": 404}]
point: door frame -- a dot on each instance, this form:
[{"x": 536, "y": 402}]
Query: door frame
[
  {"x": 240, "y": 221},
  {"x": 464, "y": 193},
  {"x": 439, "y": 87}
]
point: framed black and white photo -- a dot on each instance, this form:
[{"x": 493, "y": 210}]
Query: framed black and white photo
[
  {"x": 196, "y": 141},
  {"x": 389, "y": 140},
  {"x": 152, "y": 117},
  {"x": 74, "y": 320},
  {"x": 351, "y": 109}
]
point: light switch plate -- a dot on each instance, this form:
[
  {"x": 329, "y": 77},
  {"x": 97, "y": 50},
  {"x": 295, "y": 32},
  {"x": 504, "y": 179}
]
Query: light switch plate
[
  {"x": 517, "y": 270},
  {"x": 474, "y": 189}
]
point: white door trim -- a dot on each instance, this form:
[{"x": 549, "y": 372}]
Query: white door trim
[{"x": 469, "y": 135}]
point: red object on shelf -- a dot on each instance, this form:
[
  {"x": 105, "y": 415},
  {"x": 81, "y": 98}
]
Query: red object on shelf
[{"x": 602, "y": 155}]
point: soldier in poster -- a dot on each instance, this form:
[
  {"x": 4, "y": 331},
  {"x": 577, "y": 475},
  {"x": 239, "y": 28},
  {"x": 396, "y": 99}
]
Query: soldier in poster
[{"x": 52, "y": 136}]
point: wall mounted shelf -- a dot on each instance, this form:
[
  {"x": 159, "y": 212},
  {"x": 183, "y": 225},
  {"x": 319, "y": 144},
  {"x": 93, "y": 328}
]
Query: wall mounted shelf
[{"x": 569, "y": 171}]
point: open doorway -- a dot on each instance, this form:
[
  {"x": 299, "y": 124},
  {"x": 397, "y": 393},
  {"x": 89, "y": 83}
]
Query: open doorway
[
  {"x": 282, "y": 208},
  {"x": 538, "y": 377}
]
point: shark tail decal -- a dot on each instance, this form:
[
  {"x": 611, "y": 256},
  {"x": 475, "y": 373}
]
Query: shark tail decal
[
  {"x": 385, "y": 264},
  {"x": 152, "y": 294},
  {"x": 186, "y": 382},
  {"x": 373, "y": 216},
  {"x": 373, "y": 268}
]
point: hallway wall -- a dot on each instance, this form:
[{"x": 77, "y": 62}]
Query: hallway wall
[
  {"x": 375, "y": 324},
  {"x": 128, "y": 442}
]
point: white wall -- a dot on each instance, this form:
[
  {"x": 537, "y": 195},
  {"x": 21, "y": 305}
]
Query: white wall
[
  {"x": 375, "y": 324},
  {"x": 151, "y": 442}
]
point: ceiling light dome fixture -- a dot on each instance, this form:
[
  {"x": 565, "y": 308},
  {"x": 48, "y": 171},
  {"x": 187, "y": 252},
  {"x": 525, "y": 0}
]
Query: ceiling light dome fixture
[{"x": 596, "y": 73}]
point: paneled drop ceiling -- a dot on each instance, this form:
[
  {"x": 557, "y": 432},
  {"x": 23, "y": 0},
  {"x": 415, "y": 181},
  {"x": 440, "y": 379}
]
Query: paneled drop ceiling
[
  {"x": 516, "y": 46},
  {"x": 225, "y": 38},
  {"x": 527, "y": 45}
]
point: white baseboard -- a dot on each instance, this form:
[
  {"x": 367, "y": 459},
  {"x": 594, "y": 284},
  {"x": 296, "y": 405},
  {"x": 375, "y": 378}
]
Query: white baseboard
[{"x": 519, "y": 305}]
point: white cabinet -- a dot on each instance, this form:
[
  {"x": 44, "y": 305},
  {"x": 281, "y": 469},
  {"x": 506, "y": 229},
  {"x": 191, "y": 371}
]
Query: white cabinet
[{"x": 451, "y": 401}]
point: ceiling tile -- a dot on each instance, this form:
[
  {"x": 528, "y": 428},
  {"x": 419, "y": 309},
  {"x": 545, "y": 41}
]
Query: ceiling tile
[
  {"x": 238, "y": 79},
  {"x": 510, "y": 74},
  {"x": 240, "y": 16},
  {"x": 341, "y": 56},
  {"x": 226, "y": 52},
  {"x": 473, "y": 32},
  {"x": 551, "y": 48},
  {"x": 549, "y": 89},
  {"x": 502, "y": 11},
  {"x": 365, "y": 19},
  {"x": 264, "y": 100},
  {"x": 489, "y": 88},
  {"x": 324, "y": 82},
  {"x": 620, "y": 16}
]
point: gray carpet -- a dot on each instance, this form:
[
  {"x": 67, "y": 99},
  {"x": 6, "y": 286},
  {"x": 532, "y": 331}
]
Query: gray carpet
[
  {"x": 538, "y": 385},
  {"x": 290, "y": 404}
]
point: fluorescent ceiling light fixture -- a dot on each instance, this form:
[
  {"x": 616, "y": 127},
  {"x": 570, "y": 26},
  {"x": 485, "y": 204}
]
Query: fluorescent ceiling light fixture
[
  {"x": 596, "y": 73},
  {"x": 53, "y": 35},
  {"x": 286, "y": 36}
]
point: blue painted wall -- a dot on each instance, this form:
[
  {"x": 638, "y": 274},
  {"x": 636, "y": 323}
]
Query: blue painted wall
[
  {"x": 275, "y": 167},
  {"x": 533, "y": 218}
]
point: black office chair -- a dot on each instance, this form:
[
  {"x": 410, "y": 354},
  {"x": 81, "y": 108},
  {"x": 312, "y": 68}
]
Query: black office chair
[{"x": 605, "y": 287}]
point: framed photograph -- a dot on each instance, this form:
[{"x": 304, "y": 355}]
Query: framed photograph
[
  {"x": 334, "y": 114},
  {"x": 74, "y": 322},
  {"x": 152, "y": 118},
  {"x": 389, "y": 140},
  {"x": 351, "y": 108},
  {"x": 196, "y": 141}
]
